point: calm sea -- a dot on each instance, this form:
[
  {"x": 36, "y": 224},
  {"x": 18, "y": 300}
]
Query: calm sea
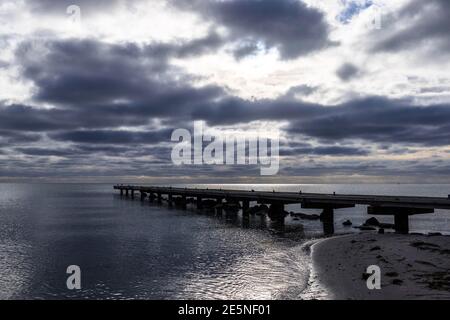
[{"x": 132, "y": 250}]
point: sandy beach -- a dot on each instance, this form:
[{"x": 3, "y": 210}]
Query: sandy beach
[{"x": 412, "y": 267}]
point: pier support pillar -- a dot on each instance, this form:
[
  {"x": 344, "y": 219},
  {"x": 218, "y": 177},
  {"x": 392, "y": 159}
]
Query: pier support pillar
[
  {"x": 151, "y": 197},
  {"x": 199, "y": 203},
  {"x": 245, "y": 208},
  {"x": 126, "y": 192},
  {"x": 276, "y": 212},
  {"x": 183, "y": 202},
  {"x": 219, "y": 203},
  {"x": 327, "y": 218},
  {"x": 159, "y": 198},
  {"x": 170, "y": 199},
  {"x": 132, "y": 194},
  {"x": 401, "y": 222},
  {"x": 121, "y": 192},
  {"x": 245, "y": 214},
  {"x": 401, "y": 215},
  {"x": 143, "y": 195}
]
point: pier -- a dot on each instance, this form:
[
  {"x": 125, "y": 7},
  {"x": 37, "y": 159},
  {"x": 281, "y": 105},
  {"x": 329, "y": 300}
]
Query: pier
[{"x": 400, "y": 207}]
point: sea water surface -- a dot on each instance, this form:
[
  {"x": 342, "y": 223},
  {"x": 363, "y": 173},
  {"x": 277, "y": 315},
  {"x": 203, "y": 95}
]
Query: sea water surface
[{"x": 128, "y": 249}]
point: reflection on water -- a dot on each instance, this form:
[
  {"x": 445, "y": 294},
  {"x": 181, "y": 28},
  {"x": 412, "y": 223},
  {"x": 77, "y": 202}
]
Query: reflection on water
[{"x": 127, "y": 249}]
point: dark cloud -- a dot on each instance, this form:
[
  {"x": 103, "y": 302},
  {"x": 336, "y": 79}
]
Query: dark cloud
[
  {"x": 111, "y": 150},
  {"x": 400, "y": 150},
  {"x": 396, "y": 121},
  {"x": 95, "y": 89},
  {"x": 90, "y": 73},
  {"x": 399, "y": 170},
  {"x": 301, "y": 90},
  {"x": 24, "y": 118},
  {"x": 291, "y": 26},
  {"x": 80, "y": 152},
  {"x": 420, "y": 24},
  {"x": 232, "y": 110},
  {"x": 245, "y": 49},
  {"x": 199, "y": 46},
  {"x": 374, "y": 119},
  {"x": 379, "y": 120},
  {"x": 46, "y": 152},
  {"x": 8, "y": 138},
  {"x": 336, "y": 151},
  {"x": 31, "y": 119},
  {"x": 96, "y": 85},
  {"x": 319, "y": 169},
  {"x": 347, "y": 71},
  {"x": 99, "y": 86},
  {"x": 184, "y": 49},
  {"x": 340, "y": 151},
  {"x": 114, "y": 136}
]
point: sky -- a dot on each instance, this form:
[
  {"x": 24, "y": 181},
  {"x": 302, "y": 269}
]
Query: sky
[{"x": 359, "y": 90}]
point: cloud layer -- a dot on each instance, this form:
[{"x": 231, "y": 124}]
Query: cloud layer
[
  {"x": 99, "y": 104},
  {"x": 287, "y": 25}
]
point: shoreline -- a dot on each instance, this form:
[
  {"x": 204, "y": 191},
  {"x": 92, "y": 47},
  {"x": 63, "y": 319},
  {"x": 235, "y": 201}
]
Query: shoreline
[
  {"x": 412, "y": 267},
  {"x": 315, "y": 289}
]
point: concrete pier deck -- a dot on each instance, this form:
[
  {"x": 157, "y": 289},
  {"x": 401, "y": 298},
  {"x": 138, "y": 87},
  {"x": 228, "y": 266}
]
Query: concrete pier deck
[{"x": 401, "y": 207}]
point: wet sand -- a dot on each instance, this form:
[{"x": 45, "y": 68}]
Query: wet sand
[{"x": 412, "y": 267}]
